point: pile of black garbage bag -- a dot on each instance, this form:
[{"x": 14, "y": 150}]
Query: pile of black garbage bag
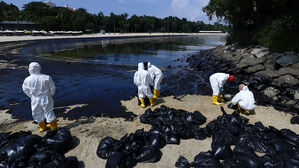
[
  {"x": 169, "y": 126},
  {"x": 23, "y": 149},
  {"x": 279, "y": 148}
]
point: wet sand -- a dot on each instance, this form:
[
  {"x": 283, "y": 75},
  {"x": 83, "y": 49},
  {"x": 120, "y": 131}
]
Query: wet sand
[{"x": 88, "y": 132}]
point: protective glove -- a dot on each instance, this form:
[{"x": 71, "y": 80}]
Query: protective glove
[{"x": 221, "y": 89}]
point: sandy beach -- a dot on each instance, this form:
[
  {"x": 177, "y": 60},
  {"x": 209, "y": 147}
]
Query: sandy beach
[
  {"x": 98, "y": 35},
  {"x": 88, "y": 132}
]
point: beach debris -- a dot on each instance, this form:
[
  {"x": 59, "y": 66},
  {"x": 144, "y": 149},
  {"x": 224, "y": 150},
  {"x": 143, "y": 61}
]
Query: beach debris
[
  {"x": 23, "y": 149},
  {"x": 168, "y": 127},
  {"x": 279, "y": 147}
]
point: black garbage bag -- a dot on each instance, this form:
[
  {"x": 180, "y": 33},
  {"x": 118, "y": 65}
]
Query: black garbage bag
[
  {"x": 19, "y": 150},
  {"x": 206, "y": 160},
  {"x": 282, "y": 145},
  {"x": 116, "y": 160},
  {"x": 290, "y": 136},
  {"x": 223, "y": 152},
  {"x": 253, "y": 142},
  {"x": 295, "y": 120},
  {"x": 149, "y": 155},
  {"x": 59, "y": 140},
  {"x": 199, "y": 133},
  {"x": 200, "y": 119},
  {"x": 4, "y": 138},
  {"x": 172, "y": 139},
  {"x": 182, "y": 162},
  {"x": 230, "y": 163},
  {"x": 156, "y": 141},
  {"x": 51, "y": 158},
  {"x": 246, "y": 157},
  {"x": 106, "y": 148}
]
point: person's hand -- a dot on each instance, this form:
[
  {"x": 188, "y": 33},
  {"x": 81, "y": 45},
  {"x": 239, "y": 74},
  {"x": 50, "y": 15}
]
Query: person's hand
[{"x": 221, "y": 89}]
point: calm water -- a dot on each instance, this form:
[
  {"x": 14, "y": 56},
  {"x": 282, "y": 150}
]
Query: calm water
[{"x": 99, "y": 73}]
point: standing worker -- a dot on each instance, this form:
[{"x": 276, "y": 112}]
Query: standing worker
[
  {"x": 244, "y": 99},
  {"x": 217, "y": 80},
  {"x": 40, "y": 88},
  {"x": 157, "y": 76},
  {"x": 142, "y": 80}
]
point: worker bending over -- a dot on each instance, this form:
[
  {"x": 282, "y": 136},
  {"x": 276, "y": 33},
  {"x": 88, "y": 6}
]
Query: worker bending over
[
  {"x": 217, "y": 80},
  {"x": 157, "y": 76},
  {"x": 40, "y": 88},
  {"x": 142, "y": 80},
  {"x": 244, "y": 99}
]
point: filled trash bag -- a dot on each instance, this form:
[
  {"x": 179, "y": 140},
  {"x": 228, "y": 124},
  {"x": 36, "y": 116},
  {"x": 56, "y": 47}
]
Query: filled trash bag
[
  {"x": 51, "y": 158},
  {"x": 19, "y": 150},
  {"x": 149, "y": 155},
  {"x": 22, "y": 149},
  {"x": 105, "y": 148},
  {"x": 182, "y": 162},
  {"x": 59, "y": 140},
  {"x": 206, "y": 160}
]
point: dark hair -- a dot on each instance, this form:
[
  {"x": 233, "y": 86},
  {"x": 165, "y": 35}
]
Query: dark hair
[{"x": 145, "y": 64}]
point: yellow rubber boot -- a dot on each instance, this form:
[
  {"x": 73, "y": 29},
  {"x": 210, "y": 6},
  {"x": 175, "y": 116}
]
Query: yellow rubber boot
[
  {"x": 142, "y": 102},
  {"x": 152, "y": 102},
  {"x": 42, "y": 126},
  {"x": 53, "y": 125},
  {"x": 155, "y": 94},
  {"x": 159, "y": 93},
  {"x": 219, "y": 98},
  {"x": 215, "y": 100},
  {"x": 239, "y": 107},
  {"x": 247, "y": 112}
]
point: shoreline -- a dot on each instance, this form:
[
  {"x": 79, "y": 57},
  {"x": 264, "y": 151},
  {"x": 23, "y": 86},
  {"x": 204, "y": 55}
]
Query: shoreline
[
  {"x": 6, "y": 39},
  {"x": 87, "y": 132}
]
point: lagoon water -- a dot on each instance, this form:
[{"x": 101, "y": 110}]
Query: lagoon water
[{"x": 99, "y": 72}]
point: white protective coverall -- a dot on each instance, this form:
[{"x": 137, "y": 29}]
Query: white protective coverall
[
  {"x": 245, "y": 99},
  {"x": 217, "y": 80},
  {"x": 40, "y": 88},
  {"x": 142, "y": 80},
  {"x": 156, "y": 75}
]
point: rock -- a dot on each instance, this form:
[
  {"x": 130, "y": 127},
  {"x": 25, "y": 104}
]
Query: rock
[
  {"x": 256, "y": 51},
  {"x": 270, "y": 64},
  {"x": 296, "y": 95},
  {"x": 271, "y": 91},
  {"x": 288, "y": 79},
  {"x": 288, "y": 71},
  {"x": 296, "y": 66},
  {"x": 250, "y": 61},
  {"x": 275, "y": 56},
  {"x": 287, "y": 60},
  {"x": 262, "y": 54},
  {"x": 231, "y": 57},
  {"x": 255, "y": 68}
]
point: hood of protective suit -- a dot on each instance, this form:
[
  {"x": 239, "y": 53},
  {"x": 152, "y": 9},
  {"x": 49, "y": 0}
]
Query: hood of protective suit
[
  {"x": 148, "y": 64},
  {"x": 34, "y": 68},
  {"x": 140, "y": 66},
  {"x": 245, "y": 88}
]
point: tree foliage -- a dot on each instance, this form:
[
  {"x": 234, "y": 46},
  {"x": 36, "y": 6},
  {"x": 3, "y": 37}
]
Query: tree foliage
[
  {"x": 60, "y": 18},
  {"x": 273, "y": 23}
]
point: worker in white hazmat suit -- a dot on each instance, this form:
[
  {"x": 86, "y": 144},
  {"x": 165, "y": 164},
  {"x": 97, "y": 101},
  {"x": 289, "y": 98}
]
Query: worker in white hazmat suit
[
  {"x": 40, "y": 88},
  {"x": 157, "y": 76},
  {"x": 244, "y": 99},
  {"x": 217, "y": 81},
  {"x": 142, "y": 80}
]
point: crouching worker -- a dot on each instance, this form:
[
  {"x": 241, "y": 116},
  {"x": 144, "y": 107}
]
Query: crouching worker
[
  {"x": 157, "y": 76},
  {"x": 217, "y": 80},
  {"x": 142, "y": 80},
  {"x": 40, "y": 88},
  {"x": 244, "y": 99}
]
